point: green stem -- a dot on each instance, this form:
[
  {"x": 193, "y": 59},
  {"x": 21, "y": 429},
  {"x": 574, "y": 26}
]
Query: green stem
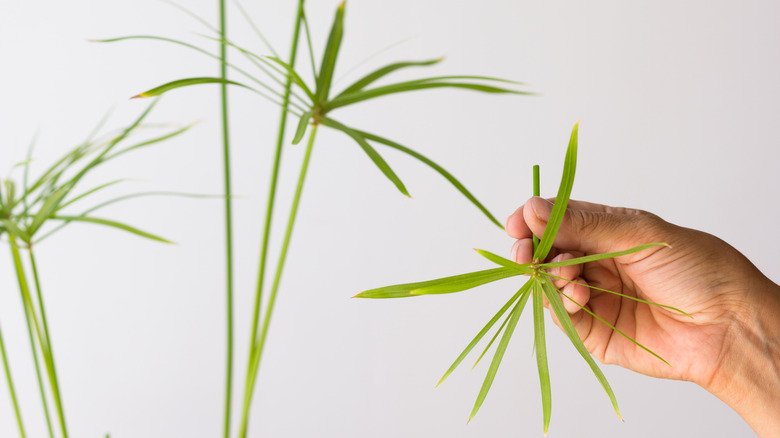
[
  {"x": 11, "y": 387},
  {"x": 34, "y": 266},
  {"x": 270, "y": 206},
  {"x": 537, "y": 192},
  {"x": 228, "y": 218},
  {"x": 36, "y": 361},
  {"x": 43, "y": 339},
  {"x": 277, "y": 279}
]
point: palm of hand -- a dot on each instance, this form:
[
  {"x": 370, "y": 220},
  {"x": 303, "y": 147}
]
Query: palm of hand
[{"x": 695, "y": 281}]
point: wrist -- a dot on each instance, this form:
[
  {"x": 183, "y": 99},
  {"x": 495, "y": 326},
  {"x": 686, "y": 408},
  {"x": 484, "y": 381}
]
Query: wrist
[{"x": 748, "y": 379}]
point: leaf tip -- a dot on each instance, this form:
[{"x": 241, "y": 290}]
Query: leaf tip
[{"x": 141, "y": 96}]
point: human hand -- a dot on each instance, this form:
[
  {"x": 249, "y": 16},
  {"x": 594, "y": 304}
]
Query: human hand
[{"x": 731, "y": 346}]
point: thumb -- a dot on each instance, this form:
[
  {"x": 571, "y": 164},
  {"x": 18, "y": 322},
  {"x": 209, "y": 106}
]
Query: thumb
[{"x": 594, "y": 228}]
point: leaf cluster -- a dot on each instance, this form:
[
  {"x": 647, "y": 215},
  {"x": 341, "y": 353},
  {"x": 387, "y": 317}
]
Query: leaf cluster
[
  {"x": 27, "y": 207},
  {"x": 314, "y": 102},
  {"x": 540, "y": 285}
]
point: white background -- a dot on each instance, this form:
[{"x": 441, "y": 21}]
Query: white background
[{"x": 678, "y": 102}]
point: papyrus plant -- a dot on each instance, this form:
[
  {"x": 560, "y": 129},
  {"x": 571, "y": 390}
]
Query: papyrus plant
[
  {"x": 539, "y": 285},
  {"x": 314, "y": 103},
  {"x": 33, "y": 209}
]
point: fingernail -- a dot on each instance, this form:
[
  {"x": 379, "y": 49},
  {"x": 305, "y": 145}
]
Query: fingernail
[{"x": 542, "y": 208}]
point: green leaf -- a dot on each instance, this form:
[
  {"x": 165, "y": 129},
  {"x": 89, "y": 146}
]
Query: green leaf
[
  {"x": 49, "y": 206},
  {"x": 302, "y": 124},
  {"x": 595, "y": 257},
  {"x": 328, "y": 64},
  {"x": 370, "y": 151},
  {"x": 10, "y": 192},
  {"x": 113, "y": 224},
  {"x": 571, "y": 332},
  {"x": 619, "y": 294},
  {"x": 455, "y": 283},
  {"x": 524, "y": 269},
  {"x": 13, "y": 229},
  {"x": 482, "y": 334},
  {"x": 384, "y": 71},
  {"x": 612, "y": 327},
  {"x": 500, "y": 350},
  {"x": 359, "y": 96},
  {"x": 541, "y": 353},
  {"x": 562, "y": 200},
  {"x": 295, "y": 77},
  {"x": 500, "y": 330},
  {"x": 150, "y": 142},
  {"x": 186, "y": 83},
  {"x": 461, "y": 188}
]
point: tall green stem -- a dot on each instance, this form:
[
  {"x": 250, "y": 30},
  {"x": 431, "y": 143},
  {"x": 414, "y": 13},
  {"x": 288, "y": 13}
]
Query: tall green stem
[
  {"x": 271, "y": 201},
  {"x": 537, "y": 192},
  {"x": 11, "y": 387},
  {"x": 228, "y": 217},
  {"x": 34, "y": 266},
  {"x": 277, "y": 280},
  {"x": 43, "y": 338}
]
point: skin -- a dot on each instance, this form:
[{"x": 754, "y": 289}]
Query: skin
[{"x": 730, "y": 346}]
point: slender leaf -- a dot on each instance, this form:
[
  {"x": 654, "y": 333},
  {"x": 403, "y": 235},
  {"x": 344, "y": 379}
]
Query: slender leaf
[
  {"x": 541, "y": 353},
  {"x": 48, "y": 207},
  {"x": 455, "y": 283},
  {"x": 524, "y": 269},
  {"x": 461, "y": 188},
  {"x": 564, "y": 191},
  {"x": 113, "y": 224},
  {"x": 481, "y": 334},
  {"x": 295, "y": 77},
  {"x": 302, "y": 124},
  {"x": 571, "y": 332},
  {"x": 595, "y": 257},
  {"x": 328, "y": 64},
  {"x": 620, "y": 295},
  {"x": 590, "y": 312},
  {"x": 359, "y": 96},
  {"x": 151, "y": 141},
  {"x": 370, "y": 151},
  {"x": 12, "y": 229},
  {"x": 523, "y": 298},
  {"x": 500, "y": 350},
  {"x": 186, "y": 83},
  {"x": 384, "y": 71}
]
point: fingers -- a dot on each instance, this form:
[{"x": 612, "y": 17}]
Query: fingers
[
  {"x": 587, "y": 227},
  {"x": 522, "y": 251}
]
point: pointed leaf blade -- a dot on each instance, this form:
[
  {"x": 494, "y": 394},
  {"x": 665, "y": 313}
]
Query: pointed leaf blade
[
  {"x": 524, "y": 298},
  {"x": 384, "y": 71},
  {"x": 524, "y": 269},
  {"x": 571, "y": 332},
  {"x": 370, "y": 151},
  {"x": 303, "y": 123},
  {"x": 113, "y": 224},
  {"x": 186, "y": 83},
  {"x": 595, "y": 257},
  {"x": 455, "y": 283},
  {"x": 448, "y": 176},
  {"x": 541, "y": 354},
  {"x": 329, "y": 56},
  {"x": 482, "y": 334},
  {"x": 562, "y": 200},
  {"x": 497, "y": 357}
]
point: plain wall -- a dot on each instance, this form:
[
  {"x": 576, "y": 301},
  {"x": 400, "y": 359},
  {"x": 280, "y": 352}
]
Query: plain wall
[{"x": 678, "y": 102}]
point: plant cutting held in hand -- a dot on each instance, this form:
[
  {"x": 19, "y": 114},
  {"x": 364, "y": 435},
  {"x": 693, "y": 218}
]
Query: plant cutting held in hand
[
  {"x": 32, "y": 210},
  {"x": 314, "y": 103},
  {"x": 540, "y": 287}
]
